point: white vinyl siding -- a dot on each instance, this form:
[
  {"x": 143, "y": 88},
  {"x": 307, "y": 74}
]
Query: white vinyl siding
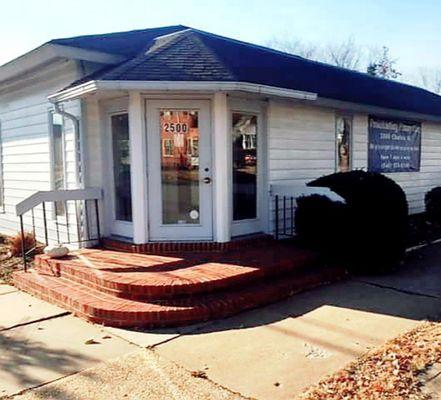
[
  {"x": 301, "y": 147},
  {"x": 26, "y": 144},
  {"x": 301, "y": 143}
]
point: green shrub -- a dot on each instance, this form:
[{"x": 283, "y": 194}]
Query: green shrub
[
  {"x": 316, "y": 219},
  {"x": 433, "y": 205},
  {"x": 376, "y": 224}
]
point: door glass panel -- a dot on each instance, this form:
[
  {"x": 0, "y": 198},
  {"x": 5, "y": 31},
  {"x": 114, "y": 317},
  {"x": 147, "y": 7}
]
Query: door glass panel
[
  {"x": 121, "y": 167},
  {"x": 244, "y": 137},
  {"x": 180, "y": 166}
]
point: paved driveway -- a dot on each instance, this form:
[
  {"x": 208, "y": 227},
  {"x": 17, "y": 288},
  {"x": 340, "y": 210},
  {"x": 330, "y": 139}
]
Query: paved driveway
[{"x": 270, "y": 353}]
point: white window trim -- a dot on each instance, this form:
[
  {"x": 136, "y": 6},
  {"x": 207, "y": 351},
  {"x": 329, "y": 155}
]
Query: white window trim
[
  {"x": 51, "y": 112},
  {"x": 2, "y": 182},
  {"x": 351, "y": 140},
  {"x": 258, "y": 109}
]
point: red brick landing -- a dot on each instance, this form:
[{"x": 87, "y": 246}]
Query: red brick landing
[{"x": 125, "y": 289}]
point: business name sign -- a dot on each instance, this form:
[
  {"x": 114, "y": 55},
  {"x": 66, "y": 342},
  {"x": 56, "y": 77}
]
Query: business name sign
[{"x": 394, "y": 146}]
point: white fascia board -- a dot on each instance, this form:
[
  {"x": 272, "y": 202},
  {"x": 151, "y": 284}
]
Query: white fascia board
[
  {"x": 41, "y": 55},
  {"x": 76, "y": 53},
  {"x": 48, "y": 52},
  {"x": 375, "y": 110},
  {"x": 73, "y": 93},
  {"x": 93, "y": 86}
]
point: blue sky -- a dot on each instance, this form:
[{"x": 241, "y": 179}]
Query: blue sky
[{"x": 410, "y": 28}]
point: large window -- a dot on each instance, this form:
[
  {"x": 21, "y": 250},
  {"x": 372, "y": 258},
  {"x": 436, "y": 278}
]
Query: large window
[
  {"x": 343, "y": 128},
  {"x": 244, "y": 141},
  {"x": 121, "y": 167},
  {"x": 2, "y": 196},
  {"x": 58, "y": 157}
]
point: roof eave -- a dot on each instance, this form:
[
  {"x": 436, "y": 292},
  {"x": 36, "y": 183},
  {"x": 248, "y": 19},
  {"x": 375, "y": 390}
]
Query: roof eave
[
  {"x": 375, "y": 110},
  {"x": 49, "y": 52},
  {"x": 93, "y": 86},
  {"x": 75, "y": 92}
]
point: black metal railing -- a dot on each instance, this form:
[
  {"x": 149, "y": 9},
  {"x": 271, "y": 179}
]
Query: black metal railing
[
  {"x": 284, "y": 208},
  {"x": 87, "y": 219}
]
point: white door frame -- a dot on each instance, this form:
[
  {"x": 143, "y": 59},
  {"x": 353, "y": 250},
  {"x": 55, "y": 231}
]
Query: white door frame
[
  {"x": 259, "y": 224},
  {"x": 116, "y": 227},
  {"x": 179, "y": 232}
]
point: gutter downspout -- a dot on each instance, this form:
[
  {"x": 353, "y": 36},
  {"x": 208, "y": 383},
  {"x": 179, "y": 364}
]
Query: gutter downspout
[{"x": 77, "y": 150}]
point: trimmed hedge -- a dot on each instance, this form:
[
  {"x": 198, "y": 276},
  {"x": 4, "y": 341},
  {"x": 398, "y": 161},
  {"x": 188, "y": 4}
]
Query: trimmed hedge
[
  {"x": 316, "y": 219},
  {"x": 373, "y": 231},
  {"x": 433, "y": 206}
]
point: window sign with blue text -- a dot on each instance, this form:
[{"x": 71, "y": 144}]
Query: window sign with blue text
[{"x": 394, "y": 145}]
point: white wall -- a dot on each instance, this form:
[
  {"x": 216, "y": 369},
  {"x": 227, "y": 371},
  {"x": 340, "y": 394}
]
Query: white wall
[
  {"x": 301, "y": 147},
  {"x": 25, "y": 143}
]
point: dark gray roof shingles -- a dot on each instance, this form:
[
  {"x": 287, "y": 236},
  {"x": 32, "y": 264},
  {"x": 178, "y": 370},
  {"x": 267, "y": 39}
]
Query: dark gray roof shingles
[{"x": 191, "y": 55}]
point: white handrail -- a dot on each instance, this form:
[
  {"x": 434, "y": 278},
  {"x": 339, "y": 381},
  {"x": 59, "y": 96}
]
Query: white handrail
[
  {"x": 302, "y": 190},
  {"x": 57, "y": 195}
]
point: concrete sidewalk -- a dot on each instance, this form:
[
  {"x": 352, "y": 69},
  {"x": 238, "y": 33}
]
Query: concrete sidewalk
[
  {"x": 278, "y": 351},
  {"x": 40, "y": 343},
  {"x": 274, "y": 352}
]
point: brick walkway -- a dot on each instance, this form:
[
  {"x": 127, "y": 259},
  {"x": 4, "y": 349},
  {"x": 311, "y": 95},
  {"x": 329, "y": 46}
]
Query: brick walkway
[{"x": 126, "y": 289}]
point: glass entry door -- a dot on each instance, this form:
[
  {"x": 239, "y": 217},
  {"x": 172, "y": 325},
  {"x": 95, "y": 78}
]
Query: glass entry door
[{"x": 180, "y": 178}]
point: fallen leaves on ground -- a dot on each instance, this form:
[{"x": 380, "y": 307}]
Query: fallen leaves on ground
[
  {"x": 389, "y": 372},
  {"x": 8, "y": 263}
]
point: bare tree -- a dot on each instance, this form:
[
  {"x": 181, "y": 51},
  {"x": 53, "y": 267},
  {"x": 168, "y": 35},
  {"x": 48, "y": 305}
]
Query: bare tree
[
  {"x": 382, "y": 65},
  {"x": 297, "y": 47},
  {"x": 346, "y": 54},
  {"x": 429, "y": 79}
]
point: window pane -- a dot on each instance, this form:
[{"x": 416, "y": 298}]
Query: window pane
[
  {"x": 58, "y": 158},
  {"x": 344, "y": 134},
  {"x": 121, "y": 167},
  {"x": 244, "y": 137},
  {"x": 180, "y": 166}
]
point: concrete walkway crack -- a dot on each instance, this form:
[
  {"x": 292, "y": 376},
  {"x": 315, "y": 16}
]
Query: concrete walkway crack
[
  {"x": 11, "y": 291},
  {"x": 434, "y": 377},
  {"x": 404, "y": 291},
  {"x": 62, "y": 314}
]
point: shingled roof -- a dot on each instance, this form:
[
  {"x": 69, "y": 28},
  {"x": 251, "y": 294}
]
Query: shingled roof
[
  {"x": 127, "y": 44},
  {"x": 186, "y": 54}
]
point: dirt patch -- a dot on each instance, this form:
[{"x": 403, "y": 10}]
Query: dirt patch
[
  {"x": 10, "y": 255},
  {"x": 8, "y": 262},
  {"x": 392, "y": 371}
]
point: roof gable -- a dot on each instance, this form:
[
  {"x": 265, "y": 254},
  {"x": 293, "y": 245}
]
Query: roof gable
[{"x": 179, "y": 57}]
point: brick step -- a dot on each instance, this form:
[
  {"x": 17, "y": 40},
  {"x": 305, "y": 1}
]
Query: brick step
[
  {"x": 142, "y": 277},
  {"x": 102, "y": 308},
  {"x": 182, "y": 247}
]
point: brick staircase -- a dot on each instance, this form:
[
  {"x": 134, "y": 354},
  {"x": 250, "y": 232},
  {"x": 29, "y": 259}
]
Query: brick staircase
[{"x": 123, "y": 289}]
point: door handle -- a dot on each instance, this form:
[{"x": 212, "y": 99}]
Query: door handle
[{"x": 207, "y": 180}]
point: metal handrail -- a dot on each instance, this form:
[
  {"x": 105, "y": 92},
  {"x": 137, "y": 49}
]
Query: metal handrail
[
  {"x": 59, "y": 196},
  {"x": 284, "y": 197}
]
